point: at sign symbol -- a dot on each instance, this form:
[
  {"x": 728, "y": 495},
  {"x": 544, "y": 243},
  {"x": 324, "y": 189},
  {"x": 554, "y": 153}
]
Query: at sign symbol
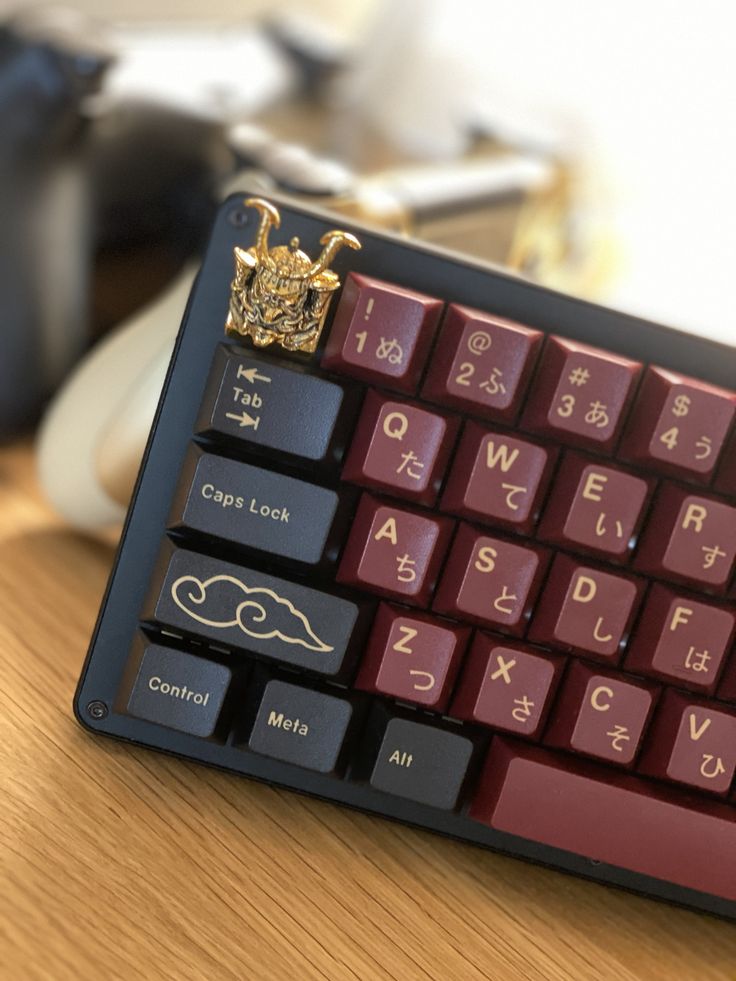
[{"x": 479, "y": 342}]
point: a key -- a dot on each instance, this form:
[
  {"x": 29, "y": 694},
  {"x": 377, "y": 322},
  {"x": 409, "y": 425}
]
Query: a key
[
  {"x": 481, "y": 363},
  {"x": 507, "y": 685},
  {"x": 498, "y": 479},
  {"x": 274, "y": 409},
  {"x": 678, "y": 424},
  {"x": 176, "y": 689},
  {"x": 254, "y": 507},
  {"x": 299, "y": 726},
  {"x": 682, "y": 640},
  {"x": 601, "y": 714},
  {"x": 381, "y": 333},
  {"x": 586, "y": 809}
]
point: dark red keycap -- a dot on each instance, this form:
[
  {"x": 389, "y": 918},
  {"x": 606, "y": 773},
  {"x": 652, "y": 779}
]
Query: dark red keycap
[
  {"x": 580, "y": 394},
  {"x": 400, "y": 448},
  {"x": 413, "y": 657},
  {"x": 617, "y": 818},
  {"x": 482, "y": 363},
  {"x": 381, "y": 333},
  {"x": 692, "y": 742},
  {"x": 498, "y": 478},
  {"x": 689, "y": 537},
  {"x": 601, "y": 714},
  {"x": 490, "y": 581},
  {"x": 509, "y": 686},
  {"x": 596, "y": 507},
  {"x": 585, "y": 610},
  {"x": 678, "y": 424},
  {"x": 394, "y": 552},
  {"x": 681, "y": 639}
]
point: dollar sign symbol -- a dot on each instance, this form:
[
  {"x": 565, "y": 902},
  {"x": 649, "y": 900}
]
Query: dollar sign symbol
[{"x": 681, "y": 406}]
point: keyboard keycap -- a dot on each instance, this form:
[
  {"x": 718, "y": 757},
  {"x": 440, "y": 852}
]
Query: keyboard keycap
[
  {"x": 601, "y": 714},
  {"x": 498, "y": 479},
  {"x": 412, "y": 657},
  {"x": 690, "y": 538},
  {"x": 394, "y": 552},
  {"x": 241, "y": 608},
  {"x": 580, "y": 394},
  {"x": 177, "y": 690},
  {"x": 678, "y": 424},
  {"x": 303, "y": 727},
  {"x": 399, "y": 448},
  {"x": 619, "y": 819},
  {"x": 381, "y": 333},
  {"x": 274, "y": 408},
  {"x": 681, "y": 639},
  {"x": 509, "y": 686},
  {"x": 482, "y": 363},
  {"x": 254, "y": 507}
]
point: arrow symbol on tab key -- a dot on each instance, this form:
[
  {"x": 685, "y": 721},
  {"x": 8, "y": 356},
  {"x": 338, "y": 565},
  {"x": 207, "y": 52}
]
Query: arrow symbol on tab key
[
  {"x": 252, "y": 375},
  {"x": 244, "y": 419}
]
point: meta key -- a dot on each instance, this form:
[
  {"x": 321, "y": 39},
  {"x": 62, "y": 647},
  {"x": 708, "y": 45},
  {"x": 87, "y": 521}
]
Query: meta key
[{"x": 271, "y": 407}]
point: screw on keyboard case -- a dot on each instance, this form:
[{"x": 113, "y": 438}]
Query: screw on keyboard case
[{"x": 454, "y": 279}]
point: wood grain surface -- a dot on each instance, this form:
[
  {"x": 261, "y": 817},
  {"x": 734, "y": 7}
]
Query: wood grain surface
[{"x": 120, "y": 863}]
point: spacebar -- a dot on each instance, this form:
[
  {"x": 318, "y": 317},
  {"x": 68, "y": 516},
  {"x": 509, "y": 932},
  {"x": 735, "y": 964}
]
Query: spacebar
[{"x": 619, "y": 820}]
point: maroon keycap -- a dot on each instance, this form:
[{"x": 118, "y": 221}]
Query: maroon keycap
[
  {"x": 580, "y": 394},
  {"x": 509, "y": 686},
  {"x": 413, "y": 657},
  {"x": 490, "y": 581},
  {"x": 381, "y": 333},
  {"x": 482, "y": 364},
  {"x": 681, "y": 639},
  {"x": 586, "y": 610},
  {"x": 601, "y": 714},
  {"x": 617, "y": 818},
  {"x": 595, "y": 507},
  {"x": 689, "y": 537},
  {"x": 692, "y": 742},
  {"x": 394, "y": 552},
  {"x": 725, "y": 482},
  {"x": 678, "y": 424},
  {"x": 498, "y": 478}
]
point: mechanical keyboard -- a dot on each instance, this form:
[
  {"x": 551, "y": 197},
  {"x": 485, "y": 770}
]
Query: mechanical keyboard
[{"x": 423, "y": 538}]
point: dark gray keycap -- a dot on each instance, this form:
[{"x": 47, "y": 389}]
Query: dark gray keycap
[
  {"x": 238, "y": 607},
  {"x": 178, "y": 690},
  {"x": 270, "y": 406},
  {"x": 300, "y": 726},
  {"x": 422, "y": 763},
  {"x": 253, "y": 507}
]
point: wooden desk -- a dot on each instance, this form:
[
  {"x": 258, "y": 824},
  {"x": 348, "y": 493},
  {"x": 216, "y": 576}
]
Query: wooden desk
[{"x": 119, "y": 863}]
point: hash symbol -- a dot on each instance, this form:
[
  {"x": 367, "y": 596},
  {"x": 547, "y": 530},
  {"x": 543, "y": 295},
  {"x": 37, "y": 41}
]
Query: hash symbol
[{"x": 579, "y": 376}]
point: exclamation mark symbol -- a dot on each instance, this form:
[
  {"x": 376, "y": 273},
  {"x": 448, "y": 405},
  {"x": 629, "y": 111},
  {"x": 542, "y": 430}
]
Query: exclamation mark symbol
[{"x": 368, "y": 308}]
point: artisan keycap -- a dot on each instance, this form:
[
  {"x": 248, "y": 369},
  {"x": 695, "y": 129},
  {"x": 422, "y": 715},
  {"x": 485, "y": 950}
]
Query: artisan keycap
[
  {"x": 400, "y": 448},
  {"x": 681, "y": 639},
  {"x": 412, "y": 657},
  {"x": 381, "y": 333},
  {"x": 586, "y": 610},
  {"x": 678, "y": 424},
  {"x": 584, "y": 808},
  {"x": 242, "y": 608},
  {"x": 595, "y": 507},
  {"x": 490, "y": 581},
  {"x": 271, "y": 407},
  {"x": 300, "y": 726},
  {"x": 509, "y": 686},
  {"x": 394, "y": 552},
  {"x": 177, "y": 690},
  {"x": 481, "y": 363},
  {"x": 422, "y": 763},
  {"x": 690, "y": 538},
  {"x": 497, "y": 478},
  {"x": 601, "y": 714},
  {"x": 580, "y": 394},
  {"x": 692, "y": 742},
  {"x": 253, "y": 507}
]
